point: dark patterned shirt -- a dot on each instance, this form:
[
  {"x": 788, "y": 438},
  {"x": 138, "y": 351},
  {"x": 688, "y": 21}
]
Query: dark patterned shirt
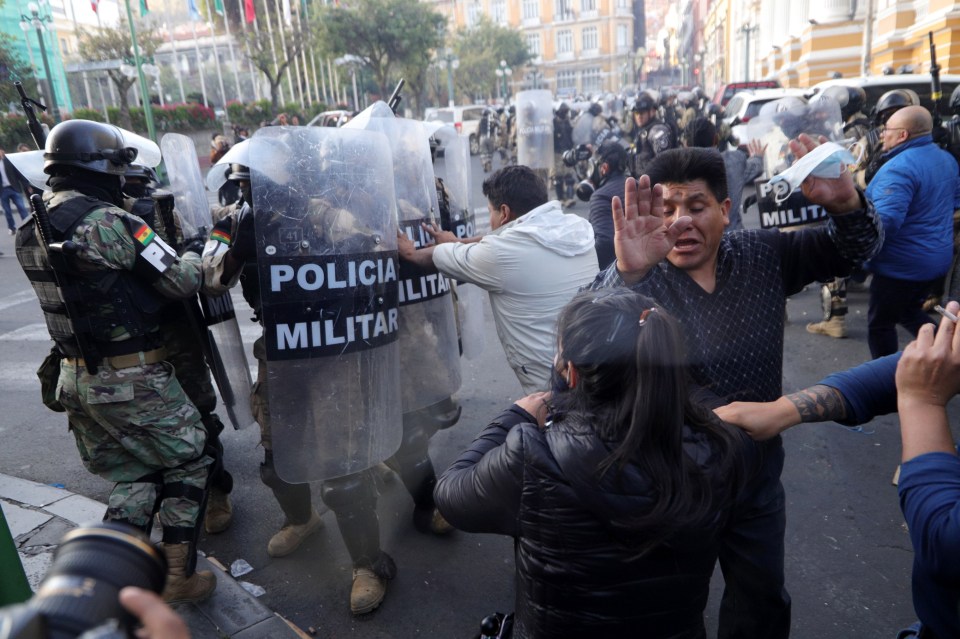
[{"x": 735, "y": 334}]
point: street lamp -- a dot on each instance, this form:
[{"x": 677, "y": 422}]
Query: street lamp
[
  {"x": 36, "y": 21},
  {"x": 452, "y": 63},
  {"x": 503, "y": 72}
]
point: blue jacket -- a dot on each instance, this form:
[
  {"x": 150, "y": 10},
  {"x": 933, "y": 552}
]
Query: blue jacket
[{"x": 915, "y": 193}]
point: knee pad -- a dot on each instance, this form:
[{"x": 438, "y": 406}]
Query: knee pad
[{"x": 355, "y": 491}]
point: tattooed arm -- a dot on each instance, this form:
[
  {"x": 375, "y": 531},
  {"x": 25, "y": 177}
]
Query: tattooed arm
[{"x": 763, "y": 420}]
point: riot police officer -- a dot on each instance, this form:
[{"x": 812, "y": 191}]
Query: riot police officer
[
  {"x": 488, "y": 132},
  {"x": 653, "y": 136},
  {"x": 562, "y": 175},
  {"x": 133, "y": 423},
  {"x": 182, "y": 339},
  {"x": 230, "y": 257}
]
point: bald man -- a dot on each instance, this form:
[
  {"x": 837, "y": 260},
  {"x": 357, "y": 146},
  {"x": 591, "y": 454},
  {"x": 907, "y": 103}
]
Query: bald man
[{"x": 915, "y": 192}]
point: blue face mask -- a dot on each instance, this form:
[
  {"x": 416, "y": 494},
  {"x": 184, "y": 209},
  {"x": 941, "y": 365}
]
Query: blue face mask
[
  {"x": 558, "y": 384},
  {"x": 828, "y": 160}
]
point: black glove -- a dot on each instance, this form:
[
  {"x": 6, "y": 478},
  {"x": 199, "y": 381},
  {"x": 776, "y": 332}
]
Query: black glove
[
  {"x": 244, "y": 245},
  {"x": 194, "y": 246}
]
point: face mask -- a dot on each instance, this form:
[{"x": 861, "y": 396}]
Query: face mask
[
  {"x": 828, "y": 160},
  {"x": 558, "y": 384},
  {"x": 135, "y": 190}
]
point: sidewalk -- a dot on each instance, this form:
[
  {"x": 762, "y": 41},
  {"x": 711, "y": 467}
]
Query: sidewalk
[{"x": 40, "y": 515}]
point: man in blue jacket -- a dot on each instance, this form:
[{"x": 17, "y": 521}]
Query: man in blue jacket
[{"x": 915, "y": 193}]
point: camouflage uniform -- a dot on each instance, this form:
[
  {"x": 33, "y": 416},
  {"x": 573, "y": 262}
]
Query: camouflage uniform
[{"x": 134, "y": 424}]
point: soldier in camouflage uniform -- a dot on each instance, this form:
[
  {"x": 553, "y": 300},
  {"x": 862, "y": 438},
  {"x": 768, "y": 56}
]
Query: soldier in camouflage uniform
[
  {"x": 230, "y": 257},
  {"x": 132, "y": 421},
  {"x": 181, "y": 338}
]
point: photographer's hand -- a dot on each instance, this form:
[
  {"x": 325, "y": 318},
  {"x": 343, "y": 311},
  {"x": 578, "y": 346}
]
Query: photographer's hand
[
  {"x": 159, "y": 620},
  {"x": 536, "y": 405}
]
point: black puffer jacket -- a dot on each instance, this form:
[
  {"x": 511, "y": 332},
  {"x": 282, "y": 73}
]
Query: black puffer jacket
[{"x": 574, "y": 578}]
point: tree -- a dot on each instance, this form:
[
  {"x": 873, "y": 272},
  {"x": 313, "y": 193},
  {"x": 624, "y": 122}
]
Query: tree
[
  {"x": 274, "y": 42},
  {"x": 391, "y": 36},
  {"x": 13, "y": 69},
  {"x": 113, "y": 43},
  {"x": 480, "y": 49}
]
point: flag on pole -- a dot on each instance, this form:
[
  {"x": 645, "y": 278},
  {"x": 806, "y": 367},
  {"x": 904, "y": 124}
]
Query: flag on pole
[
  {"x": 218, "y": 7},
  {"x": 192, "y": 9},
  {"x": 96, "y": 6},
  {"x": 144, "y": 9},
  {"x": 248, "y": 11}
]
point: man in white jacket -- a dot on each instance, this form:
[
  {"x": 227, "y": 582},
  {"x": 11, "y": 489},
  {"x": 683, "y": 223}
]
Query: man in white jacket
[{"x": 532, "y": 263}]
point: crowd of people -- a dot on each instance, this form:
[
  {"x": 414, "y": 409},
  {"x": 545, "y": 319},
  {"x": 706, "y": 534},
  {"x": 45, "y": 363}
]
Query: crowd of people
[{"x": 646, "y": 335}]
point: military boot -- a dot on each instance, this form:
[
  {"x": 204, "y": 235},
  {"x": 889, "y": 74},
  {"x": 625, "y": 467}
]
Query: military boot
[
  {"x": 180, "y": 587},
  {"x": 835, "y": 327},
  {"x": 291, "y": 536},
  {"x": 219, "y": 512},
  {"x": 370, "y": 584}
]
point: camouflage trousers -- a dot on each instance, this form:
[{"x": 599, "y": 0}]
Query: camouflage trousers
[
  {"x": 562, "y": 178},
  {"x": 136, "y": 427}
]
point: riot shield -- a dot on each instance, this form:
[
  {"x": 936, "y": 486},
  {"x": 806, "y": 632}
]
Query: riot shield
[
  {"x": 583, "y": 128},
  {"x": 535, "y": 129},
  {"x": 325, "y": 223},
  {"x": 428, "y": 333},
  {"x": 227, "y": 356},
  {"x": 30, "y": 166},
  {"x": 238, "y": 154}
]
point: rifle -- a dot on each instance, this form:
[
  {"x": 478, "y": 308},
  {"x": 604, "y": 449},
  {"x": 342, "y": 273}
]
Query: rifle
[
  {"x": 394, "y": 101},
  {"x": 57, "y": 253},
  {"x": 36, "y": 129},
  {"x": 935, "y": 90}
]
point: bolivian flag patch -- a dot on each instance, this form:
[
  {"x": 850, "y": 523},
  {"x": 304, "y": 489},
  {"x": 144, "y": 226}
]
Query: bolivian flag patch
[
  {"x": 220, "y": 236},
  {"x": 144, "y": 235}
]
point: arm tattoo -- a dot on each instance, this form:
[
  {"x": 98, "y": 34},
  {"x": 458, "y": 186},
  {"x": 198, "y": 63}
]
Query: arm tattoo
[{"x": 819, "y": 404}]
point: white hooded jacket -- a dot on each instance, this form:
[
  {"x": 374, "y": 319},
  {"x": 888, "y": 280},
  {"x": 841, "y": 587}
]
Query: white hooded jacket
[{"x": 531, "y": 268}]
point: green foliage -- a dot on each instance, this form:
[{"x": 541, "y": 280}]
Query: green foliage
[
  {"x": 87, "y": 114},
  {"x": 480, "y": 50},
  {"x": 391, "y": 36}
]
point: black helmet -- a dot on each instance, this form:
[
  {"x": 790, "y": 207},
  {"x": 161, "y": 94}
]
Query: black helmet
[
  {"x": 851, "y": 99},
  {"x": 563, "y": 109},
  {"x": 645, "y": 102},
  {"x": 93, "y": 146},
  {"x": 595, "y": 109},
  {"x": 142, "y": 172},
  {"x": 238, "y": 172},
  {"x": 955, "y": 101},
  {"x": 892, "y": 101}
]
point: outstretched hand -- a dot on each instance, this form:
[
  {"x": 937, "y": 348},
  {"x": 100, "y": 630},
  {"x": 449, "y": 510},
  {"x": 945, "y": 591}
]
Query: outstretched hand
[
  {"x": 640, "y": 237},
  {"x": 837, "y": 195}
]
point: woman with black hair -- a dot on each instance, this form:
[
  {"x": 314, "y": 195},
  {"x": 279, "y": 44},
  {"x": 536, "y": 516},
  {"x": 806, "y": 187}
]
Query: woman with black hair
[{"x": 615, "y": 486}]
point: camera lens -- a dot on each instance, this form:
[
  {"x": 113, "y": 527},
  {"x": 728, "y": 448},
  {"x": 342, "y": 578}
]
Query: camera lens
[{"x": 90, "y": 567}]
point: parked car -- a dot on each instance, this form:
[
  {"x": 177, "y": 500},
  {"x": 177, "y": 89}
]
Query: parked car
[
  {"x": 746, "y": 104},
  {"x": 336, "y": 118},
  {"x": 876, "y": 85},
  {"x": 727, "y": 91},
  {"x": 465, "y": 119}
]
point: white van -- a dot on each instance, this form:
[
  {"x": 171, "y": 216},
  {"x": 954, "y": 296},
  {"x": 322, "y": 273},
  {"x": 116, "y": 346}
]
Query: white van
[{"x": 465, "y": 119}]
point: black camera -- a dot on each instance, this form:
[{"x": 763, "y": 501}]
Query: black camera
[
  {"x": 79, "y": 595},
  {"x": 579, "y": 153}
]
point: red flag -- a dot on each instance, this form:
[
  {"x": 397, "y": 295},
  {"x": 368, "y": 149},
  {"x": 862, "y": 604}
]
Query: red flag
[
  {"x": 248, "y": 10},
  {"x": 96, "y": 6}
]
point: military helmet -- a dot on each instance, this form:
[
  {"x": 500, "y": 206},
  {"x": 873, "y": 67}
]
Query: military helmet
[
  {"x": 851, "y": 99},
  {"x": 892, "y": 101},
  {"x": 93, "y": 146},
  {"x": 955, "y": 101},
  {"x": 644, "y": 102},
  {"x": 143, "y": 172},
  {"x": 238, "y": 172},
  {"x": 563, "y": 109}
]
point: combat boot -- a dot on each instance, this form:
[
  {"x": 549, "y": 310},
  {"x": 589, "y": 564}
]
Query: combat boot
[
  {"x": 430, "y": 520},
  {"x": 835, "y": 327},
  {"x": 219, "y": 512},
  {"x": 291, "y": 536},
  {"x": 180, "y": 587},
  {"x": 370, "y": 584}
]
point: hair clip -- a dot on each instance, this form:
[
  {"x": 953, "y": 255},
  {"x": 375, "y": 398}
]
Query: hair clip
[{"x": 646, "y": 313}]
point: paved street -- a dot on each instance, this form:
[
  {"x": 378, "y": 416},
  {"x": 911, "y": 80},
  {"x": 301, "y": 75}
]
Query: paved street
[{"x": 848, "y": 552}]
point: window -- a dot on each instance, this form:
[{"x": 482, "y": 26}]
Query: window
[
  {"x": 624, "y": 4},
  {"x": 622, "y": 35},
  {"x": 531, "y": 10},
  {"x": 474, "y": 11},
  {"x": 567, "y": 80},
  {"x": 588, "y": 5},
  {"x": 498, "y": 11},
  {"x": 590, "y": 39},
  {"x": 592, "y": 80},
  {"x": 563, "y": 10},
  {"x": 564, "y": 42},
  {"x": 533, "y": 44}
]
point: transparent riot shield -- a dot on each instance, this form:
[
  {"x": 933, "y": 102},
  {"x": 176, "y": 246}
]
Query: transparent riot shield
[
  {"x": 227, "y": 356},
  {"x": 777, "y": 123},
  {"x": 535, "y": 129},
  {"x": 326, "y": 231},
  {"x": 30, "y": 166},
  {"x": 238, "y": 154},
  {"x": 428, "y": 333},
  {"x": 452, "y": 165}
]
